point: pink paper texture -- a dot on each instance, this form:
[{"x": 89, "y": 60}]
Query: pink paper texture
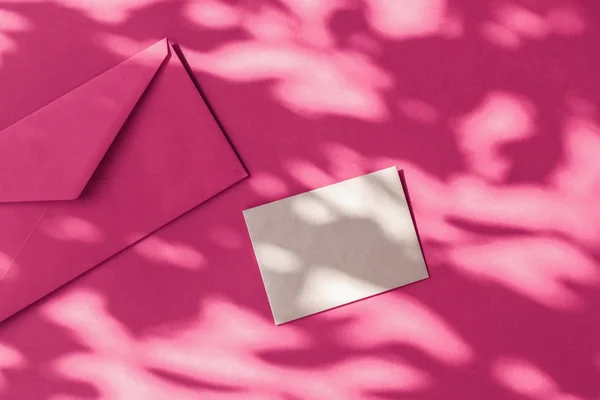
[
  {"x": 490, "y": 107},
  {"x": 52, "y": 153},
  {"x": 169, "y": 157}
]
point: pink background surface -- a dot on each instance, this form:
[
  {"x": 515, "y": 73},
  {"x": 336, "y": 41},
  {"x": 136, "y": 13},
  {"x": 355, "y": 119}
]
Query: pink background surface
[{"x": 489, "y": 107}]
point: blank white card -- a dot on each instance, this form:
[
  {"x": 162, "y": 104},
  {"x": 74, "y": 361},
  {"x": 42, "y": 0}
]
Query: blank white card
[{"x": 335, "y": 245}]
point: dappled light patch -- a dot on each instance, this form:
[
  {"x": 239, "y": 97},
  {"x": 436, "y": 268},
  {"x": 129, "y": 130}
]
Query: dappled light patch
[
  {"x": 536, "y": 268},
  {"x": 73, "y": 229},
  {"x": 9, "y": 358},
  {"x": 180, "y": 255},
  {"x": 501, "y": 119},
  {"x": 525, "y": 378},
  {"x": 418, "y": 327}
]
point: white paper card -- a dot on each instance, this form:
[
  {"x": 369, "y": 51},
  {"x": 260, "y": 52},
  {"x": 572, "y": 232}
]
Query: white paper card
[{"x": 334, "y": 245}]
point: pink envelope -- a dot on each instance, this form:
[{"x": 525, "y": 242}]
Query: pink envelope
[{"x": 100, "y": 168}]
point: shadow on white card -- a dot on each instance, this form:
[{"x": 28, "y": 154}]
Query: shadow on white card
[{"x": 335, "y": 245}]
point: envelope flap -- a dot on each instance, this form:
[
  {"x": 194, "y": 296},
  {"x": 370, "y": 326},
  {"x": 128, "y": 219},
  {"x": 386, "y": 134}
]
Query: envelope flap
[{"x": 52, "y": 153}]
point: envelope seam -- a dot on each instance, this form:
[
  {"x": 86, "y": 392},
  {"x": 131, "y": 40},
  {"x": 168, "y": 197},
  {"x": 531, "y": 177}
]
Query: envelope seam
[
  {"x": 69, "y": 91},
  {"x": 24, "y": 243}
]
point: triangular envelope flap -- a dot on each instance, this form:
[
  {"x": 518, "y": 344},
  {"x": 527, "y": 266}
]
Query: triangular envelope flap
[
  {"x": 170, "y": 157},
  {"x": 52, "y": 153}
]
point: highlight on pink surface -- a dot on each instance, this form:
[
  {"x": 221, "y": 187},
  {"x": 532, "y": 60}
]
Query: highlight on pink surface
[
  {"x": 314, "y": 15},
  {"x": 158, "y": 250},
  {"x": 522, "y": 21},
  {"x": 7, "y": 46},
  {"x": 10, "y": 358},
  {"x": 111, "y": 12},
  {"x": 566, "y": 21},
  {"x": 121, "y": 366},
  {"x": 532, "y": 267},
  {"x": 513, "y": 24},
  {"x": 500, "y": 35},
  {"x": 13, "y": 22},
  {"x": 433, "y": 213},
  {"x": 269, "y": 185},
  {"x": 345, "y": 161},
  {"x": 5, "y": 262},
  {"x": 227, "y": 237},
  {"x": 74, "y": 229},
  {"x": 569, "y": 198},
  {"x": 270, "y": 25},
  {"x": 365, "y": 43},
  {"x": 580, "y": 106},
  {"x": 419, "y": 327},
  {"x": 214, "y": 14},
  {"x": 405, "y": 19},
  {"x": 418, "y": 110},
  {"x": 525, "y": 378},
  {"x": 501, "y": 119},
  {"x": 309, "y": 82},
  {"x": 380, "y": 374},
  {"x": 125, "y": 46},
  {"x": 579, "y": 175},
  {"x": 308, "y": 174},
  {"x": 311, "y": 76},
  {"x": 113, "y": 365}
]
